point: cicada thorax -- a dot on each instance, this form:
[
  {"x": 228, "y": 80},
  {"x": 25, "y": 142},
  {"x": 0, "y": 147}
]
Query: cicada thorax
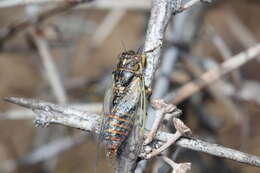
[
  {"x": 126, "y": 92},
  {"x": 129, "y": 67}
]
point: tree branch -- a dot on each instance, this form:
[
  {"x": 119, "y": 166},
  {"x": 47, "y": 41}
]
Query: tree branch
[
  {"x": 25, "y": 114},
  {"x": 48, "y": 113},
  {"x": 161, "y": 12}
]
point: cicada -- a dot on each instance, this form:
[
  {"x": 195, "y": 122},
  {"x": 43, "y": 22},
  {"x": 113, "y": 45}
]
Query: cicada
[{"x": 123, "y": 101}]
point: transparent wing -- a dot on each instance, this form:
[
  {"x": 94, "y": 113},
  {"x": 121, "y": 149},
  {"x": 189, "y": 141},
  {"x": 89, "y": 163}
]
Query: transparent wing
[
  {"x": 107, "y": 104},
  {"x": 106, "y": 111},
  {"x": 142, "y": 109}
]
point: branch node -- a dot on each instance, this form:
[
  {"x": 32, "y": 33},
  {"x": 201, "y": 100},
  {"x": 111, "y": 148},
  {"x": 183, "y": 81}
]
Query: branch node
[
  {"x": 42, "y": 119},
  {"x": 160, "y": 104},
  {"x": 162, "y": 109},
  {"x": 181, "y": 127}
]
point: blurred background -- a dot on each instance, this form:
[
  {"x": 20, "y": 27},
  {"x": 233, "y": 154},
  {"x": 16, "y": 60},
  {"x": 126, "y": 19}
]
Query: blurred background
[{"x": 68, "y": 59}]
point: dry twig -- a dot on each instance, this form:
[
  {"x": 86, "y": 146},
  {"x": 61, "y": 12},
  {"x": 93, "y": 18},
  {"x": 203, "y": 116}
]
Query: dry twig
[
  {"x": 240, "y": 31},
  {"x": 161, "y": 109},
  {"x": 225, "y": 52},
  {"x": 177, "y": 168},
  {"x": 48, "y": 113},
  {"x": 181, "y": 130},
  {"x": 51, "y": 70},
  {"x": 216, "y": 91},
  {"x": 213, "y": 75}
]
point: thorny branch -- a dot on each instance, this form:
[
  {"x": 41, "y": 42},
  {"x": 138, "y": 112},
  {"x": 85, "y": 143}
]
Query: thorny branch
[{"x": 48, "y": 113}]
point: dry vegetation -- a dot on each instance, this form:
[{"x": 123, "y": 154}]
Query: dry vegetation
[{"x": 83, "y": 70}]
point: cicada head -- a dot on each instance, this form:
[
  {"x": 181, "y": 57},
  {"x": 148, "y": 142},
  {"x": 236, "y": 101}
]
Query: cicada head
[{"x": 131, "y": 61}]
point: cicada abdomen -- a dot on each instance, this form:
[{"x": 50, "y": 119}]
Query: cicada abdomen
[{"x": 121, "y": 105}]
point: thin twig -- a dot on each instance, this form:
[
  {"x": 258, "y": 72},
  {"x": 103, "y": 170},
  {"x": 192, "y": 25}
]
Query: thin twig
[
  {"x": 51, "y": 70},
  {"x": 240, "y": 31},
  {"x": 225, "y": 52},
  {"x": 161, "y": 109},
  {"x": 213, "y": 75},
  {"x": 107, "y": 26},
  {"x": 51, "y": 113},
  {"x": 177, "y": 168},
  {"x": 181, "y": 130},
  {"x": 216, "y": 92}
]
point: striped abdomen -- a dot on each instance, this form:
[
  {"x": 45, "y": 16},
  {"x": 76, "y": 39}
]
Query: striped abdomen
[
  {"x": 116, "y": 131},
  {"x": 120, "y": 120}
]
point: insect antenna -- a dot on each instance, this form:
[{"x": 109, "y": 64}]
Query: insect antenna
[
  {"x": 123, "y": 44},
  {"x": 140, "y": 49}
]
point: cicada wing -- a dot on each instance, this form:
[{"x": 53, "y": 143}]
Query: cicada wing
[
  {"x": 107, "y": 106},
  {"x": 106, "y": 111},
  {"x": 142, "y": 109}
]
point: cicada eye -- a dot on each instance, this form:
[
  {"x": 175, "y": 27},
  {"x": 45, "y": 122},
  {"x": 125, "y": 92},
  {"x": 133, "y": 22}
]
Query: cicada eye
[{"x": 136, "y": 67}]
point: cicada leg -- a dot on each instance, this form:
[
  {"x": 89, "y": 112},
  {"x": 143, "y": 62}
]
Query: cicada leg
[
  {"x": 143, "y": 102},
  {"x": 153, "y": 49}
]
